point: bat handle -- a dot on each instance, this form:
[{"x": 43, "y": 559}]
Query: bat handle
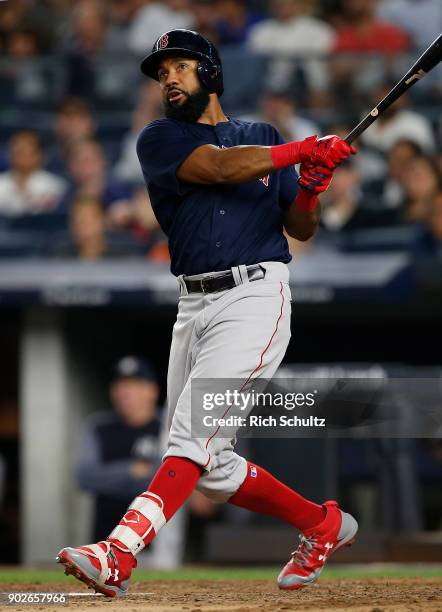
[
  {"x": 351, "y": 137},
  {"x": 362, "y": 126}
]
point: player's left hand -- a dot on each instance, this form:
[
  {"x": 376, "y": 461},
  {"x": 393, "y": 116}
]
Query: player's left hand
[
  {"x": 330, "y": 151},
  {"x": 315, "y": 179}
]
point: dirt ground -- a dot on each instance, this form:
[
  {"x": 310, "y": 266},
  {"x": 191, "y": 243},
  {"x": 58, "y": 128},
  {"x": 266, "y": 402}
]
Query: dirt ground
[{"x": 369, "y": 595}]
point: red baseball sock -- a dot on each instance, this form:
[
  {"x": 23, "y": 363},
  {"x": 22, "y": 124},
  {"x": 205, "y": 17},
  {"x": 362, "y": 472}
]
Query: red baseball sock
[
  {"x": 173, "y": 483},
  {"x": 262, "y": 492}
]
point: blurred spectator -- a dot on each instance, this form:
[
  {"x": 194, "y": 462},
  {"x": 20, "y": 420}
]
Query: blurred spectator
[
  {"x": 435, "y": 228},
  {"x": 156, "y": 18},
  {"x": 122, "y": 14},
  {"x": 88, "y": 238},
  {"x": 421, "y": 19},
  {"x": 27, "y": 187},
  {"x": 205, "y": 15},
  {"x": 88, "y": 37},
  {"x": 12, "y": 14},
  {"x": 234, "y": 21},
  {"x": 73, "y": 122},
  {"x": 422, "y": 183},
  {"x": 149, "y": 107},
  {"x": 22, "y": 77},
  {"x": 88, "y": 173},
  {"x": 342, "y": 204},
  {"x": 148, "y": 228},
  {"x": 356, "y": 68},
  {"x": 138, "y": 218},
  {"x": 398, "y": 122},
  {"x": 23, "y": 43},
  {"x": 279, "y": 109},
  {"x": 289, "y": 32},
  {"x": 18, "y": 16},
  {"x": 362, "y": 31},
  {"x": 89, "y": 27},
  {"x": 388, "y": 190},
  {"x": 121, "y": 449}
]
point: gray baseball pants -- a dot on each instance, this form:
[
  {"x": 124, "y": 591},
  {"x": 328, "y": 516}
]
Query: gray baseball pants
[{"x": 241, "y": 333}]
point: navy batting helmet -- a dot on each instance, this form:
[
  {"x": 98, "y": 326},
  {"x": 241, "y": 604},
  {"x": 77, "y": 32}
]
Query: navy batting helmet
[{"x": 187, "y": 44}]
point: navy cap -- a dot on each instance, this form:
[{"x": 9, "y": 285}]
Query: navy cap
[{"x": 134, "y": 367}]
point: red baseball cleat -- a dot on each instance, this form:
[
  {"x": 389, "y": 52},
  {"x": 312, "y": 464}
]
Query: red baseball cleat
[
  {"x": 317, "y": 544},
  {"x": 103, "y": 567}
]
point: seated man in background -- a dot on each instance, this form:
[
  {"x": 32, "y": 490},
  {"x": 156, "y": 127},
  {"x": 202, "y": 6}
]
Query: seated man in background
[
  {"x": 137, "y": 218},
  {"x": 89, "y": 174},
  {"x": 362, "y": 31},
  {"x": 26, "y": 188},
  {"x": 343, "y": 205},
  {"x": 388, "y": 190},
  {"x": 292, "y": 32},
  {"x": 73, "y": 122},
  {"x": 235, "y": 18},
  {"x": 148, "y": 108},
  {"x": 399, "y": 122},
  {"x": 87, "y": 237},
  {"x": 422, "y": 182},
  {"x": 278, "y": 108},
  {"x": 121, "y": 451}
]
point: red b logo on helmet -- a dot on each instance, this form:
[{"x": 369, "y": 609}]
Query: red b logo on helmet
[{"x": 163, "y": 42}]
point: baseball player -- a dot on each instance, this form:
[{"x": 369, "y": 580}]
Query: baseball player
[{"x": 223, "y": 191}]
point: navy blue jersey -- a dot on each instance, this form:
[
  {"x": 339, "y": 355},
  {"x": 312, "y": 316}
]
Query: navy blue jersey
[{"x": 214, "y": 227}]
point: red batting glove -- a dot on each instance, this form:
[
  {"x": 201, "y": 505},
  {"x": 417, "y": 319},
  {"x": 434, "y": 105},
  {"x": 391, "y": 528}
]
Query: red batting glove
[
  {"x": 315, "y": 179},
  {"x": 328, "y": 151}
]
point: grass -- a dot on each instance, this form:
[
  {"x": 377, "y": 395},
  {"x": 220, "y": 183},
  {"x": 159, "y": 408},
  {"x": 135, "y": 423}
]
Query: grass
[{"x": 47, "y": 576}]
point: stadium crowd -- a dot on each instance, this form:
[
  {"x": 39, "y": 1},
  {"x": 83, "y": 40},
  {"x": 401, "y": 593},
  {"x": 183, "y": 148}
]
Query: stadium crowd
[{"x": 72, "y": 102}]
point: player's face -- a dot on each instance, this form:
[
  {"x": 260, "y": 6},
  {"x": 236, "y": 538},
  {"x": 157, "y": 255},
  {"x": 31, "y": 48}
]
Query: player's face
[
  {"x": 178, "y": 80},
  {"x": 184, "y": 97}
]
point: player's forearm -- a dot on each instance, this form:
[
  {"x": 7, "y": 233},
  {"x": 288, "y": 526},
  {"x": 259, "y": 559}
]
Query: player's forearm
[
  {"x": 244, "y": 163},
  {"x": 302, "y": 218}
]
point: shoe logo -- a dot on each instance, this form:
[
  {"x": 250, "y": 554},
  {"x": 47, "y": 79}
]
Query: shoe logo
[
  {"x": 131, "y": 517},
  {"x": 328, "y": 546},
  {"x": 113, "y": 577}
]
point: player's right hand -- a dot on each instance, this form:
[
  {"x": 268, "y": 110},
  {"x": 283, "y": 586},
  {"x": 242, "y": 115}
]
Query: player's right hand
[
  {"x": 328, "y": 151},
  {"x": 315, "y": 179}
]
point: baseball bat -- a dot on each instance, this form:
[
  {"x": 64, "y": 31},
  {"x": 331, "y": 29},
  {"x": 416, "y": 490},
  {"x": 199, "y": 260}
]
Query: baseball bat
[{"x": 427, "y": 61}]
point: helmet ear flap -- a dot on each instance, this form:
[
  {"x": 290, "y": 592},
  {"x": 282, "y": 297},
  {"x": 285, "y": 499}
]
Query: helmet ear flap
[{"x": 209, "y": 75}]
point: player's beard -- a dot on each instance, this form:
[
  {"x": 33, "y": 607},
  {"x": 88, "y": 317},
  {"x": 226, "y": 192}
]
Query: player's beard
[{"x": 191, "y": 109}]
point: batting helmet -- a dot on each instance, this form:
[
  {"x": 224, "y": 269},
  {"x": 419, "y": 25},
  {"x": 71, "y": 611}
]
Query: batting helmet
[{"x": 187, "y": 44}]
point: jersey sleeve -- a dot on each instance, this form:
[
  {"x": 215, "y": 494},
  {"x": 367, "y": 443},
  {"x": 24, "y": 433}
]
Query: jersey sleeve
[
  {"x": 161, "y": 148},
  {"x": 288, "y": 182}
]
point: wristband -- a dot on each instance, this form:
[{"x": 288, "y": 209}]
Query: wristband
[
  {"x": 306, "y": 200},
  {"x": 285, "y": 155}
]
